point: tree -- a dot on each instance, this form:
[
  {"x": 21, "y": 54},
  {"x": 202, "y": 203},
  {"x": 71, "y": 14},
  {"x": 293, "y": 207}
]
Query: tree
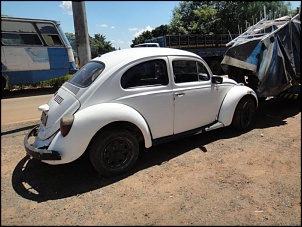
[
  {"x": 141, "y": 38},
  {"x": 99, "y": 45},
  {"x": 240, "y": 14},
  {"x": 161, "y": 30},
  {"x": 72, "y": 40},
  {"x": 222, "y": 16},
  {"x": 192, "y": 17}
]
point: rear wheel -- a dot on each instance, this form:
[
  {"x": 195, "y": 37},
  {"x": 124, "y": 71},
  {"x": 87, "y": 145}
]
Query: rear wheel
[
  {"x": 244, "y": 113},
  {"x": 113, "y": 152}
]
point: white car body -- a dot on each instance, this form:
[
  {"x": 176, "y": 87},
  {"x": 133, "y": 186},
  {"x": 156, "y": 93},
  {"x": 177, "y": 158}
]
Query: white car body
[{"x": 158, "y": 112}]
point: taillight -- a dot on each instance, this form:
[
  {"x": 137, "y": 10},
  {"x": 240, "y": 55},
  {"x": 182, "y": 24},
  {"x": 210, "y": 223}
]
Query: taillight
[{"x": 65, "y": 124}]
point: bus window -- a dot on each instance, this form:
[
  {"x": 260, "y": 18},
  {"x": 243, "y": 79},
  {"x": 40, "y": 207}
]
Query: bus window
[
  {"x": 19, "y": 33},
  {"x": 19, "y": 27},
  {"x": 50, "y": 34}
]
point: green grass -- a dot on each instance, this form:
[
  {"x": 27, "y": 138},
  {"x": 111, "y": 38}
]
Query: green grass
[{"x": 56, "y": 82}]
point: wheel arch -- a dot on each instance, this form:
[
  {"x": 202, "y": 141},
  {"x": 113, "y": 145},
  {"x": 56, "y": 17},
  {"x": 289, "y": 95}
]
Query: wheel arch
[
  {"x": 131, "y": 127},
  {"x": 231, "y": 101},
  {"x": 101, "y": 116}
]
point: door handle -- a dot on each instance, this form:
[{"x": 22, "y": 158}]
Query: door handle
[{"x": 179, "y": 94}]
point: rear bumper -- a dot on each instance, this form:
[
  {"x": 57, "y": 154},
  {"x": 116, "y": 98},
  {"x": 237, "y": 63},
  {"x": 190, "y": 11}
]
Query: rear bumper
[{"x": 38, "y": 153}]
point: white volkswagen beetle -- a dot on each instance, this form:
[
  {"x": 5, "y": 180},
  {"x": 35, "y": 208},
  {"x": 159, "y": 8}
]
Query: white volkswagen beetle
[{"x": 135, "y": 96}]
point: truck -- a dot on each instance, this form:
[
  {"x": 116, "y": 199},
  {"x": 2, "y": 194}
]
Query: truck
[
  {"x": 211, "y": 47},
  {"x": 266, "y": 57}
]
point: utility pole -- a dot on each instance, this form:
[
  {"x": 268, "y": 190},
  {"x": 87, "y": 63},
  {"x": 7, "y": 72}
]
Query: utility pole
[{"x": 81, "y": 32}]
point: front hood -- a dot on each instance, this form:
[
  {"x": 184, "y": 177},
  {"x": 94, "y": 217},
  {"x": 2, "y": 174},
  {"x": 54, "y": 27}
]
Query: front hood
[{"x": 63, "y": 103}]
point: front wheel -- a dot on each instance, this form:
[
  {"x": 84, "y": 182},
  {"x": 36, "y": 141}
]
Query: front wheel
[
  {"x": 113, "y": 152},
  {"x": 244, "y": 113}
]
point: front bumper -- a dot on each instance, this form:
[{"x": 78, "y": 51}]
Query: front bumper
[{"x": 39, "y": 153}]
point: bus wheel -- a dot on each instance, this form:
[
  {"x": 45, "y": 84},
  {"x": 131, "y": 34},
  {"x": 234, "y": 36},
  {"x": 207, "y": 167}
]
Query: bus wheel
[{"x": 3, "y": 83}]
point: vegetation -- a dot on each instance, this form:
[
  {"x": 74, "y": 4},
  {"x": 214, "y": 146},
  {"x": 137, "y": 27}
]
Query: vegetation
[
  {"x": 98, "y": 44},
  {"x": 56, "y": 82}
]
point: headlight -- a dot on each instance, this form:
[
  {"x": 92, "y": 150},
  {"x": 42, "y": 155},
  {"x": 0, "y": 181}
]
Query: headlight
[{"x": 65, "y": 124}]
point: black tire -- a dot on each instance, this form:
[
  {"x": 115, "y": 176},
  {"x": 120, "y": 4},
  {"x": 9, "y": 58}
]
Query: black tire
[
  {"x": 244, "y": 113},
  {"x": 3, "y": 84},
  {"x": 261, "y": 99},
  {"x": 113, "y": 152}
]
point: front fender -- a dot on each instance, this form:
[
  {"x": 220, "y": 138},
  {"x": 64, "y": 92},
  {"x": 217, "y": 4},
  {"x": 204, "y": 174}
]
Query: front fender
[
  {"x": 88, "y": 122},
  {"x": 228, "y": 106}
]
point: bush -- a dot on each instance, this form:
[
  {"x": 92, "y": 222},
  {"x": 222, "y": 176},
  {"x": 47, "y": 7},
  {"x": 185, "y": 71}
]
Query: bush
[{"x": 56, "y": 82}]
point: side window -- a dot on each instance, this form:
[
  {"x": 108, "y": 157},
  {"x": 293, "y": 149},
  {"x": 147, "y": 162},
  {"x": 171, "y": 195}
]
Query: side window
[
  {"x": 50, "y": 34},
  {"x": 19, "y": 33},
  {"x": 189, "y": 71},
  {"x": 150, "y": 73},
  {"x": 184, "y": 71}
]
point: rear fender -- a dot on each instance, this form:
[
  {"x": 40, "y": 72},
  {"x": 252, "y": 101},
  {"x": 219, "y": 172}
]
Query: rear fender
[
  {"x": 231, "y": 100},
  {"x": 88, "y": 122}
]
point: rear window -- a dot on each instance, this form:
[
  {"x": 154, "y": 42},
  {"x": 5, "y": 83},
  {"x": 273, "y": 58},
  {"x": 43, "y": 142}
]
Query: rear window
[{"x": 87, "y": 74}]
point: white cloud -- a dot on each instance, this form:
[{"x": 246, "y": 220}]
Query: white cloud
[
  {"x": 132, "y": 29},
  {"x": 103, "y": 25},
  {"x": 140, "y": 31},
  {"x": 67, "y": 7}
]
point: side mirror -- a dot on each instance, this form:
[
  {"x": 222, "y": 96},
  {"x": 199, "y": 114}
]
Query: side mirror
[{"x": 217, "y": 79}]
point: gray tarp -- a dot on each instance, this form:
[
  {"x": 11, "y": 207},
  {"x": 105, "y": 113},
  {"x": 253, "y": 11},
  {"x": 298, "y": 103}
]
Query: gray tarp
[{"x": 270, "y": 50}]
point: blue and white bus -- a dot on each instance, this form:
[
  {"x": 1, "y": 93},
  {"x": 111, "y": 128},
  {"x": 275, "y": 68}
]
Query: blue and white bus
[{"x": 33, "y": 50}]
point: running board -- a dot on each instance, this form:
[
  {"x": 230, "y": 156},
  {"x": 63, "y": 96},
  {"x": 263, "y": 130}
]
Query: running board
[{"x": 206, "y": 128}]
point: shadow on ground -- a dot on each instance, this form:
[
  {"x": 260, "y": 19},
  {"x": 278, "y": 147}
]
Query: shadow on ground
[{"x": 40, "y": 182}]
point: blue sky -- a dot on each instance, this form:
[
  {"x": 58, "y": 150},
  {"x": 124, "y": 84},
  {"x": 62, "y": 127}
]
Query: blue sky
[{"x": 119, "y": 21}]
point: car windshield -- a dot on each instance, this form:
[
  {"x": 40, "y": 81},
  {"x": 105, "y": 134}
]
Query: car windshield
[{"x": 87, "y": 74}]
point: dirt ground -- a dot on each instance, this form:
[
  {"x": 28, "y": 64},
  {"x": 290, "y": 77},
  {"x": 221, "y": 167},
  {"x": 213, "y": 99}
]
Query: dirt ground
[{"x": 222, "y": 177}]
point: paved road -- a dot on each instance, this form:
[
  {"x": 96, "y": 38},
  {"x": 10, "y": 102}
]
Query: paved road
[{"x": 21, "y": 109}]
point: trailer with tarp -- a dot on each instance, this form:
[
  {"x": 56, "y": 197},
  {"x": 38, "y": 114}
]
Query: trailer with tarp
[{"x": 266, "y": 57}]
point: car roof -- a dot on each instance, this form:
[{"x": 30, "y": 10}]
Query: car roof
[
  {"x": 147, "y": 45},
  {"x": 128, "y": 55}
]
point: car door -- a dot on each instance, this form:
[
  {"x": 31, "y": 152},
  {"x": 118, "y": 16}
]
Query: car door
[
  {"x": 147, "y": 89},
  {"x": 196, "y": 102}
]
